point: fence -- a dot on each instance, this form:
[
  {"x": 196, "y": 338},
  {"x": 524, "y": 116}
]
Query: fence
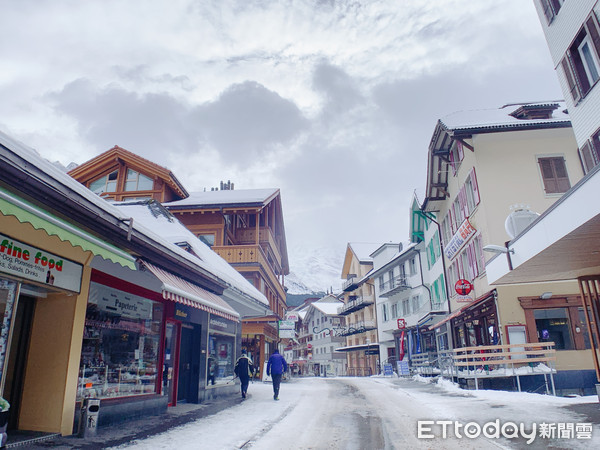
[{"x": 492, "y": 361}]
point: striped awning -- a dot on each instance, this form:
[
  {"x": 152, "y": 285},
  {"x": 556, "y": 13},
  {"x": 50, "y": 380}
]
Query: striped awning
[{"x": 182, "y": 291}]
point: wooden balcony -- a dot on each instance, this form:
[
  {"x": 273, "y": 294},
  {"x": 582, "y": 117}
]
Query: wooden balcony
[
  {"x": 266, "y": 240},
  {"x": 250, "y": 255}
]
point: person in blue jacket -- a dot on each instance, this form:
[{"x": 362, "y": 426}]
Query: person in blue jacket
[{"x": 275, "y": 368}]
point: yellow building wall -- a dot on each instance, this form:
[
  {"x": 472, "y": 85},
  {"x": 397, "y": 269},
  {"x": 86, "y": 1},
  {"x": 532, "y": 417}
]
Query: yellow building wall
[
  {"x": 511, "y": 313},
  {"x": 51, "y": 372}
]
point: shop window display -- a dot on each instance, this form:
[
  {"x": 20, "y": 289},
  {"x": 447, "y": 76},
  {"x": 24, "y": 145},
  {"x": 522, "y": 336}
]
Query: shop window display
[
  {"x": 220, "y": 358},
  {"x": 121, "y": 344}
]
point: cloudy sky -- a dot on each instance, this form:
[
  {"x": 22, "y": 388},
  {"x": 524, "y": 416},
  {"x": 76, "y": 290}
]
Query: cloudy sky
[{"x": 332, "y": 101}]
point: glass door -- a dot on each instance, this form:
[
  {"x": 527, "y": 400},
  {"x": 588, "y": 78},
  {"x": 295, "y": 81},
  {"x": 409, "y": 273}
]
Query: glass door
[{"x": 169, "y": 381}]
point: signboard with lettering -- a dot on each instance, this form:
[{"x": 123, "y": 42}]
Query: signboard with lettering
[
  {"x": 401, "y": 324},
  {"x": 287, "y": 333},
  {"x": 31, "y": 263},
  {"x": 120, "y": 303},
  {"x": 403, "y": 368},
  {"x": 293, "y": 316},
  {"x": 463, "y": 298},
  {"x": 460, "y": 238},
  {"x": 388, "y": 370},
  {"x": 463, "y": 287},
  {"x": 286, "y": 325}
]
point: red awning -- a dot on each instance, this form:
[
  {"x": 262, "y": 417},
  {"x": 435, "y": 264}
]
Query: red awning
[{"x": 182, "y": 291}]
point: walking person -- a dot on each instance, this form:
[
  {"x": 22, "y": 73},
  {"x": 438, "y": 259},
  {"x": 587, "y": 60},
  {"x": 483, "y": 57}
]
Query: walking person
[
  {"x": 275, "y": 368},
  {"x": 244, "y": 369}
]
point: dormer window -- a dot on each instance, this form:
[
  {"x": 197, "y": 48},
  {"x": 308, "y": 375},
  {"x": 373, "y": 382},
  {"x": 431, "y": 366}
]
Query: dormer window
[
  {"x": 108, "y": 183},
  {"x": 532, "y": 112},
  {"x": 136, "y": 181}
]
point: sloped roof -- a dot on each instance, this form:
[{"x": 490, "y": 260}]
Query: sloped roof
[
  {"x": 231, "y": 198},
  {"x": 83, "y": 171},
  {"x": 330, "y": 309},
  {"x": 497, "y": 119},
  {"x": 156, "y": 217},
  {"x": 364, "y": 250}
]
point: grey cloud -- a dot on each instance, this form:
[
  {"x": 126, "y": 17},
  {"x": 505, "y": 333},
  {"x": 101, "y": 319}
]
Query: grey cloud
[
  {"x": 248, "y": 120},
  {"x": 339, "y": 89},
  {"x": 151, "y": 125},
  {"x": 245, "y": 122}
]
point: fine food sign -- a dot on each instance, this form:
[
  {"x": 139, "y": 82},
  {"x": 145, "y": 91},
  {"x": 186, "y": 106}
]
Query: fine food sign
[{"x": 31, "y": 263}]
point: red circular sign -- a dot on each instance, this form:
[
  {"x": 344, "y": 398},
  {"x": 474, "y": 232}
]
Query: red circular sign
[{"x": 463, "y": 287}]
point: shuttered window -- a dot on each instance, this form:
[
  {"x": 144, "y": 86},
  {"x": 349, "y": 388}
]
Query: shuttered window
[{"x": 554, "y": 175}]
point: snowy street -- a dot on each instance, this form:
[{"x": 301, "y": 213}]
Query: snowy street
[{"x": 383, "y": 413}]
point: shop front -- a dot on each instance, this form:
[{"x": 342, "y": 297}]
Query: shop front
[
  {"x": 477, "y": 324},
  {"x": 260, "y": 339},
  {"x": 44, "y": 279}
]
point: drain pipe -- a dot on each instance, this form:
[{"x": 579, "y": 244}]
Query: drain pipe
[{"x": 500, "y": 339}]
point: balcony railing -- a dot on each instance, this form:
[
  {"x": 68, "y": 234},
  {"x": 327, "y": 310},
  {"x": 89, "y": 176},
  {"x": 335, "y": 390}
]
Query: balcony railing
[
  {"x": 350, "y": 284},
  {"x": 249, "y": 255},
  {"x": 247, "y": 236},
  {"x": 393, "y": 286},
  {"x": 355, "y": 305}
]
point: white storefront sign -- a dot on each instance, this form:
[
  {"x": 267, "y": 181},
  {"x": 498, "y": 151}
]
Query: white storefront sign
[
  {"x": 119, "y": 302},
  {"x": 31, "y": 263},
  {"x": 460, "y": 238}
]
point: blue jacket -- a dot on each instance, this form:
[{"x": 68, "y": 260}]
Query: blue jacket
[{"x": 276, "y": 364}]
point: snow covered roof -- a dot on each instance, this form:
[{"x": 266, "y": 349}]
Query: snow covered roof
[
  {"x": 505, "y": 117},
  {"x": 154, "y": 216},
  {"x": 397, "y": 256},
  {"x": 241, "y": 197},
  {"x": 330, "y": 309},
  {"x": 363, "y": 250}
]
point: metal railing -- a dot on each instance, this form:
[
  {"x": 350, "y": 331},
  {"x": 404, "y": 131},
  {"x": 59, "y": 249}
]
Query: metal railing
[{"x": 393, "y": 286}]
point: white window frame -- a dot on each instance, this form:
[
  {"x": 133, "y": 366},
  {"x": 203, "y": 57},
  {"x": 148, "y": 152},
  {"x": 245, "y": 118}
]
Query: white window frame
[{"x": 592, "y": 53}]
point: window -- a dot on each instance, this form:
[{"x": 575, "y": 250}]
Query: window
[
  {"x": 551, "y": 8},
  {"x": 405, "y": 307},
  {"x": 394, "y": 310},
  {"x": 581, "y": 62},
  {"x": 381, "y": 283},
  {"x": 208, "y": 239},
  {"x": 590, "y": 152},
  {"x": 136, "y": 181},
  {"x": 553, "y": 326},
  {"x": 416, "y": 303},
  {"x": 108, "y": 183},
  {"x": 384, "y": 310},
  {"x": 119, "y": 355},
  {"x": 554, "y": 175},
  {"x": 413, "y": 266}
]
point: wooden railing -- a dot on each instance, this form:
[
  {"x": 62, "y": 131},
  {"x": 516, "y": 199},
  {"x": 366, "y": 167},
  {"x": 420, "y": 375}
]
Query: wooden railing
[
  {"x": 238, "y": 254},
  {"x": 247, "y": 236},
  {"x": 491, "y": 361}
]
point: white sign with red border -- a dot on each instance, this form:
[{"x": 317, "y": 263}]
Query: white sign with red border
[{"x": 460, "y": 238}]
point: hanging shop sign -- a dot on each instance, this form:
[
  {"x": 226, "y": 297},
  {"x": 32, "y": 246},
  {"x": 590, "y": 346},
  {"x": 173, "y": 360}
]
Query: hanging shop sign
[
  {"x": 463, "y": 287},
  {"x": 292, "y": 316},
  {"x": 460, "y": 238},
  {"x": 401, "y": 324},
  {"x": 287, "y": 334},
  {"x": 32, "y": 263}
]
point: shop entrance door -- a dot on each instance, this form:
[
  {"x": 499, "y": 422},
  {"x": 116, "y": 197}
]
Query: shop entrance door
[
  {"x": 185, "y": 363},
  {"x": 17, "y": 357},
  {"x": 169, "y": 360}
]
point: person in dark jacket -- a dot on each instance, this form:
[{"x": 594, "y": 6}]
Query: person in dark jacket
[
  {"x": 275, "y": 368},
  {"x": 244, "y": 369}
]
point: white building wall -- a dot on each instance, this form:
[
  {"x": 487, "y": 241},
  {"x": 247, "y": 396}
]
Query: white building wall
[{"x": 560, "y": 33}]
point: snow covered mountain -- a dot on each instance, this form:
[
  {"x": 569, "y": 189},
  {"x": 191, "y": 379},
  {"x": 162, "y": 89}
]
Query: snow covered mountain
[{"x": 314, "y": 270}]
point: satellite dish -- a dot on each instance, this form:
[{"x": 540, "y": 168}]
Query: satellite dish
[{"x": 519, "y": 219}]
